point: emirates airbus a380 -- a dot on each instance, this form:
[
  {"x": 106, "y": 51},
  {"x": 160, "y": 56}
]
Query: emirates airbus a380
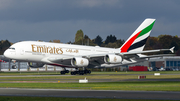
[{"x": 37, "y": 54}]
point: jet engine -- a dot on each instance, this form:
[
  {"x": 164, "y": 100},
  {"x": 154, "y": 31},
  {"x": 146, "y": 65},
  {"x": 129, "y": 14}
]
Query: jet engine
[
  {"x": 79, "y": 62},
  {"x": 35, "y": 64},
  {"x": 113, "y": 59}
]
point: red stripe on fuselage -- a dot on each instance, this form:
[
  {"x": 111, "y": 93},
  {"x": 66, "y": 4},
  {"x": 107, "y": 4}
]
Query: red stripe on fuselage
[{"x": 129, "y": 43}]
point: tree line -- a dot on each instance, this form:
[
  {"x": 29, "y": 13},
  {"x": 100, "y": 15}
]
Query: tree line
[
  {"x": 111, "y": 40},
  {"x": 160, "y": 42},
  {"x": 4, "y": 44}
]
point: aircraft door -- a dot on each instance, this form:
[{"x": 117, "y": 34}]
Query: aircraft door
[{"x": 22, "y": 51}]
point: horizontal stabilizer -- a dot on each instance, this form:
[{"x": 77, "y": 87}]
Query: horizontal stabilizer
[
  {"x": 148, "y": 51},
  {"x": 161, "y": 55},
  {"x": 172, "y": 49}
]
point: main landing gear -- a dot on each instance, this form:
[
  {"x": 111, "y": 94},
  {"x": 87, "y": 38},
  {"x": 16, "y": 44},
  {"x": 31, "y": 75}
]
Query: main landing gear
[
  {"x": 64, "y": 71},
  {"x": 81, "y": 72}
]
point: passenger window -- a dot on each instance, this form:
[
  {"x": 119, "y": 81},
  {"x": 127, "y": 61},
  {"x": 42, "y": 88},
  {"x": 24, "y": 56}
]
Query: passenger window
[{"x": 12, "y": 48}]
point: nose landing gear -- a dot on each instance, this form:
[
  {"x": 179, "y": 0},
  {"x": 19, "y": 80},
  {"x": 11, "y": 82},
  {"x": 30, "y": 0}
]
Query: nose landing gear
[{"x": 14, "y": 64}]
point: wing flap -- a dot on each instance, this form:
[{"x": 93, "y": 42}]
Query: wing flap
[{"x": 54, "y": 59}]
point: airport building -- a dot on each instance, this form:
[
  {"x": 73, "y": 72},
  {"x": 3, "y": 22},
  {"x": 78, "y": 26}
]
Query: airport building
[
  {"x": 171, "y": 62},
  {"x": 6, "y": 66},
  {"x": 23, "y": 66},
  {"x": 167, "y": 63}
]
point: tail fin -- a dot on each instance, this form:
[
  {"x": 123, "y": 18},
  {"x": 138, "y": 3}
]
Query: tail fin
[{"x": 137, "y": 40}]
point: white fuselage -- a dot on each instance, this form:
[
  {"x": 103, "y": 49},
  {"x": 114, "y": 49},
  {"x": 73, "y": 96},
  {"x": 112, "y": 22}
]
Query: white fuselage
[{"x": 34, "y": 51}]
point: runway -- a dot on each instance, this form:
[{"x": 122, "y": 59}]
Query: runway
[
  {"x": 117, "y": 94},
  {"x": 75, "y": 80},
  {"x": 71, "y": 93}
]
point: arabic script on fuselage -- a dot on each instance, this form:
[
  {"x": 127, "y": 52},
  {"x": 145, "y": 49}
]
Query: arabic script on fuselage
[{"x": 72, "y": 50}]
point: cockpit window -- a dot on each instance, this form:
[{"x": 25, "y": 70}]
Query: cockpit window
[{"x": 12, "y": 48}]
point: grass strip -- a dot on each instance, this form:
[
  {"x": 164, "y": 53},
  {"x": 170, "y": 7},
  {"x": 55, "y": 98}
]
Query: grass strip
[
  {"x": 92, "y": 77},
  {"x": 133, "y": 85}
]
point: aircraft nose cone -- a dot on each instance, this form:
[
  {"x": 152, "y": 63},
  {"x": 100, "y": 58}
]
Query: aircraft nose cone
[{"x": 6, "y": 54}]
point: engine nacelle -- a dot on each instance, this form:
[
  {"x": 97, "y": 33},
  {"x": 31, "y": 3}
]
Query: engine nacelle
[
  {"x": 35, "y": 64},
  {"x": 79, "y": 62},
  {"x": 113, "y": 59}
]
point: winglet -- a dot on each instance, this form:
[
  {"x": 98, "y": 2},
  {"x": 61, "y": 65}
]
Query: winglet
[{"x": 172, "y": 49}]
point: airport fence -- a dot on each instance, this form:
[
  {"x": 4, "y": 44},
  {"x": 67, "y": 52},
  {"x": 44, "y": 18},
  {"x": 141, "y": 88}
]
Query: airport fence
[{"x": 23, "y": 67}]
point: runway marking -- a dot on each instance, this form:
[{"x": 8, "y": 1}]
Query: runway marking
[{"x": 76, "y": 93}]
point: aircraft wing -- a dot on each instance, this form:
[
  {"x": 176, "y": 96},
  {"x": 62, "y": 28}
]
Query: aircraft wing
[
  {"x": 133, "y": 53},
  {"x": 56, "y": 59},
  {"x": 98, "y": 59},
  {"x": 94, "y": 59}
]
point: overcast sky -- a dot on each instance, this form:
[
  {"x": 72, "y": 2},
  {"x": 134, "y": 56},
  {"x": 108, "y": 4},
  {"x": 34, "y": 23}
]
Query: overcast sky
[{"x": 60, "y": 19}]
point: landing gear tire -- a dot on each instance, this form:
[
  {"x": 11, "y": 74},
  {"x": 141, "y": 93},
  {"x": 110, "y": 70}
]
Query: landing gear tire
[
  {"x": 62, "y": 72},
  {"x": 87, "y": 71},
  {"x": 66, "y": 71},
  {"x": 81, "y": 72},
  {"x": 73, "y": 73}
]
